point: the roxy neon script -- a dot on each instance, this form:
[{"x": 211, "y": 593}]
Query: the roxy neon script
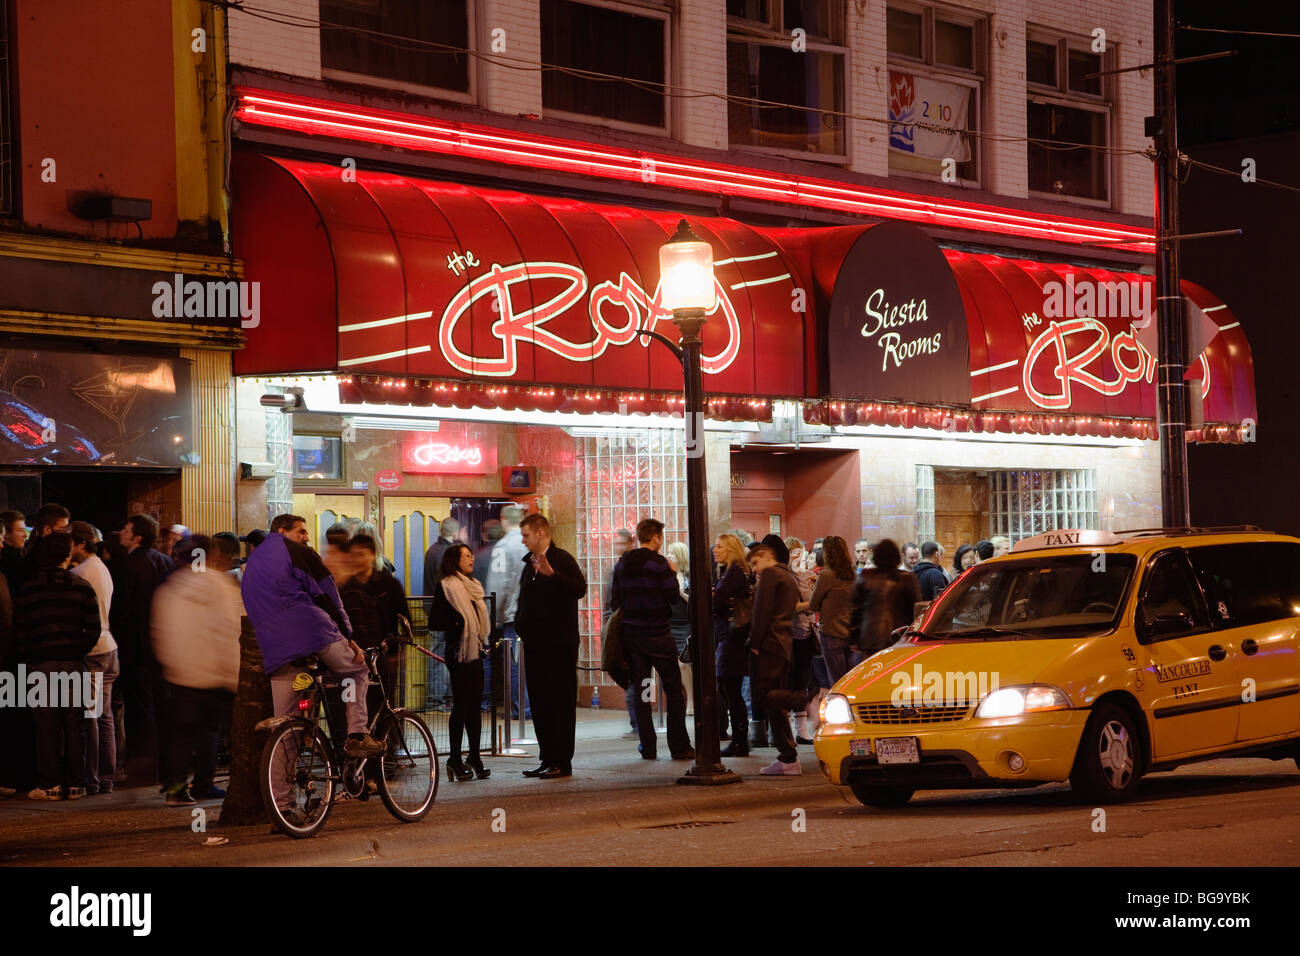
[
  {"x": 638, "y": 309},
  {"x": 428, "y": 454},
  {"x": 1091, "y": 340}
]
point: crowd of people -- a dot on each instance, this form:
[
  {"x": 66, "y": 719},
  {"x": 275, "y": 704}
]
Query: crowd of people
[
  {"x": 789, "y": 621},
  {"x": 158, "y": 647},
  {"x": 149, "y": 621}
]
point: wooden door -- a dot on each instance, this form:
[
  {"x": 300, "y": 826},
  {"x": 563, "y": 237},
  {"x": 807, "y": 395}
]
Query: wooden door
[
  {"x": 410, "y": 526},
  {"x": 960, "y": 509},
  {"x": 322, "y": 510}
]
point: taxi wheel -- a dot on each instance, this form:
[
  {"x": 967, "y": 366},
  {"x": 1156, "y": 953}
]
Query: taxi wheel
[
  {"x": 882, "y": 797},
  {"x": 1107, "y": 768}
]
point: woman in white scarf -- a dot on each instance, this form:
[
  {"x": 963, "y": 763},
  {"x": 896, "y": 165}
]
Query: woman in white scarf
[{"x": 459, "y": 610}]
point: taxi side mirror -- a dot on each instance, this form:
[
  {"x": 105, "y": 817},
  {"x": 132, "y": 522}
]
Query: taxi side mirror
[{"x": 1167, "y": 624}]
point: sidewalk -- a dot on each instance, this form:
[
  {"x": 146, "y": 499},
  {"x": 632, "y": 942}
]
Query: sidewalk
[{"x": 612, "y": 788}]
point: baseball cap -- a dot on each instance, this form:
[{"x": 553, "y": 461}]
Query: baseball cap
[{"x": 254, "y": 537}]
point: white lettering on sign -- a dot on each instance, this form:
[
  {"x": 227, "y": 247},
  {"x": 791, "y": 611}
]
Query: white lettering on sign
[
  {"x": 1071, "y": 359},
  {"x": 440, "y": 453},
  {"x": 882, "y": 315},
  {"x": 640, "y": 311}
]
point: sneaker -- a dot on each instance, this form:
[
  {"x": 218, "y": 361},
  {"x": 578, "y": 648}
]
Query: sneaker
[
  {"x": 45, "y": 793},
  {"x": 776, "y": 767},
  {"x": 208, "y": 793},
  {"x": 807, "y": 742},
  {"x": 76, "y": 793},
  {"x": 7, "y": 792},
  {"x": 362, "y": 745},
  {"x": 181, "y": 798}
]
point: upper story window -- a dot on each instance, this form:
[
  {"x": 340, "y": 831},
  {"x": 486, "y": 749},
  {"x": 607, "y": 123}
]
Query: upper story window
[
  {"x": 409, "y": 43},
  {"x": 789, "y": 56},
  {"x": 584, "y": 44},
  {"x": 1067, "y": 103},
  {"x": 8, "y": 126},
  {"x": 936, "y": 84}
]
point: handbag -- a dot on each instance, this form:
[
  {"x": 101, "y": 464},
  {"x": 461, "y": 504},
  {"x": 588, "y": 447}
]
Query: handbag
[
  {"x": 612, "y": 660},
  {"x": 742, "y": 612}
]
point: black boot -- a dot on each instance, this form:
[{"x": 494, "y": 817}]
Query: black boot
[
  {"x": 475, "y": 763},
  {"x": 737, "y": 748},
  {"x": 758, "y": 734},
  {"x": 457, "y": 770}
]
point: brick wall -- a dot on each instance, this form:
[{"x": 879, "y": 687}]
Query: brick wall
[{"x": 698, "y": 62}]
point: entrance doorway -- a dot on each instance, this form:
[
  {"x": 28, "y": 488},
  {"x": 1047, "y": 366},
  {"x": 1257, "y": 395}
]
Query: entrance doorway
[
  {"x": 961, "y": 507},
  {"x": 101, "y": 496}
]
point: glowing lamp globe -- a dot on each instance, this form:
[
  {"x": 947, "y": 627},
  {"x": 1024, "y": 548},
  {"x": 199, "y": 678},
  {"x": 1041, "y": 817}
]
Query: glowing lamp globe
[{"x": 686, "y": 271}]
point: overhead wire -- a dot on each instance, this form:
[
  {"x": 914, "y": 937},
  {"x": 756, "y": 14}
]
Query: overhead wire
[{"x": 411, "y": 44}]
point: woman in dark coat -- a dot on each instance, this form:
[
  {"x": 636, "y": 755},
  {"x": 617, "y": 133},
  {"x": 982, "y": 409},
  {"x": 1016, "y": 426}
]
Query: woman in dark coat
[
  {"x": 459, "y": 611},
  {"x": 734, "y": 585}
]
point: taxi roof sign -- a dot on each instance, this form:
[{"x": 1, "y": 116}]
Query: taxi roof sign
[{"x": 1071, "y": 538}]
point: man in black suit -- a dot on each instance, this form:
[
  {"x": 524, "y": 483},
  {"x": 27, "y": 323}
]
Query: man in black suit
[{"x": 547, "y": 622}]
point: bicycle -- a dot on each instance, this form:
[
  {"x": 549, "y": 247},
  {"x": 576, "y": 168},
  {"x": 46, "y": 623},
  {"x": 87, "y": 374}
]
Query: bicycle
[{"x": 301, "y": 767}]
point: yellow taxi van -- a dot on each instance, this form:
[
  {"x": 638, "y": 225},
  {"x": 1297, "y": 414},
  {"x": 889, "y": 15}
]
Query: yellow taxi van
[{"x": 1093, "y": 657}]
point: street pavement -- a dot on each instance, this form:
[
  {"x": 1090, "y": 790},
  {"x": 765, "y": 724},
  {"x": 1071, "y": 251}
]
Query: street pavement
[{"x": 620, "y": 810}]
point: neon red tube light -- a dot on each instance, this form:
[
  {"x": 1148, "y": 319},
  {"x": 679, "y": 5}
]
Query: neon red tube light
[{"x": 285, "y": 111}]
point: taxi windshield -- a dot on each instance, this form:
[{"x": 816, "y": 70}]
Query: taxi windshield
[{"x": 1039, "y": 596}]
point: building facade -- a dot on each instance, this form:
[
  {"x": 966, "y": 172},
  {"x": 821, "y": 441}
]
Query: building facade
[
  {"x": 454, "y": 211},
  {"x": 115, "y": 373}
]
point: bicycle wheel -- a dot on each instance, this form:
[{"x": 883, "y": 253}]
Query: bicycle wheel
[
  {"x": 298, "y": 778},
  {"x": 408, "y": 778}
]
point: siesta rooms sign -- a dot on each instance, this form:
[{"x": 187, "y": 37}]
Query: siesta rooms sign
[{"x": 897, "y": 326}]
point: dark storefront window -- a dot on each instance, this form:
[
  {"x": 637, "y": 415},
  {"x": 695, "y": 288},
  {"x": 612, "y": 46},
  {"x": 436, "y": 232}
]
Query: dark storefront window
[
  {"x": 763, "y": 64},
  {"x": 1067, "y": 104},
  {"x": 8, "y": 126},
  {"x": 408, "y": 41},
  {"x": 578, "y": 37}
]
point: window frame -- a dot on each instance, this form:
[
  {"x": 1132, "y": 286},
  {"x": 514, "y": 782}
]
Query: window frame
[
  {"x": 470, "y": 96},
  {"x": 741, "y": 30},
  {"x": 976, "y": 77},
  {"x": 1062, "y": 95},
  {"x": 652, "y": 11},
  {"x": 341, "y": 483},
  {"x": 1144, "y": 634}
]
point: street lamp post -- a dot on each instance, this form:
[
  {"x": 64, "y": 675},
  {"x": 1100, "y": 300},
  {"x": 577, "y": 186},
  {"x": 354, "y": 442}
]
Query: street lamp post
[{"x": 687, "y": 289}]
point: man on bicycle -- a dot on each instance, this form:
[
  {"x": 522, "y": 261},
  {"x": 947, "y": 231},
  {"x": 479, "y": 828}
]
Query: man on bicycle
[{"x": 294, "y": 606}]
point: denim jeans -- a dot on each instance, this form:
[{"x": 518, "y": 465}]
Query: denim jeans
[
  {"x": 835, "y": 652},
  {"x": 101, "y": 732},
  {"x": 437, "y": 686},
  {"x": 510, "y": 645},
  {"x": 60, "y": 732},
  {"x": 659, "y": 653}
]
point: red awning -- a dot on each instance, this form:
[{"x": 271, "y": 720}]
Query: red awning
[
  {"x": 387, "y": 275},
  {"x": 1062, "y": 340}
]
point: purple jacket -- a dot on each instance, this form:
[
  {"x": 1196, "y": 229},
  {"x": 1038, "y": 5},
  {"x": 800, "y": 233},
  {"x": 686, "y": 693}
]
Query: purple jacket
[{"x": 291, "y": 601}]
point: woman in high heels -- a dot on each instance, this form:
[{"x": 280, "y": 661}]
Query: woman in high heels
[{"x": 458, "y": 610}]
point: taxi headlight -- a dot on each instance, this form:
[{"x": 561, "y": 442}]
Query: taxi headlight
[
  {"x": 835, "y": 709},
  {"x": 1014, "y": 701}
]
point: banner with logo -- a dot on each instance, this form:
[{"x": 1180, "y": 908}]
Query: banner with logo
[{"x": 927, "y": 118}]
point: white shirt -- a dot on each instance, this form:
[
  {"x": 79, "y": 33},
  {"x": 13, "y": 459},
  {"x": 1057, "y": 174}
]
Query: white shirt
[
  {"x": 95, "y": 572},
  {"x": 196, "y": 624}
]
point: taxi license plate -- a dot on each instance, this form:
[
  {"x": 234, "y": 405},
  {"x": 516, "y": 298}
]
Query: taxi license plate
[
  {"x": 860, "y": 747},
  {"x": 898, "y": 750}
]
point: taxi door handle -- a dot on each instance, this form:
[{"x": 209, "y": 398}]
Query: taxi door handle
[
  {"x": 1218, "y": 652},
  {"x": 1249, "y": 646}
]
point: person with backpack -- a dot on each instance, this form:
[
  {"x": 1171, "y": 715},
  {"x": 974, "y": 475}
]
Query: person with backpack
[
  {"x": 884, "y": 600},
  {"x": 731, "y": 610}
]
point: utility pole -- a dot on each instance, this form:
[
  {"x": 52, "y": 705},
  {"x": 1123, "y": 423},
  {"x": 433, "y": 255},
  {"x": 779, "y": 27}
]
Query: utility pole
[{"x": 1171, "y": 390}]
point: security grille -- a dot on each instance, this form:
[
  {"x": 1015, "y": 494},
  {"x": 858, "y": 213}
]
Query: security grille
[
  {"x": 623, "y": 477},
  {"x": 889, "y": 713},
  {"x": 1025, "y": 503}
]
